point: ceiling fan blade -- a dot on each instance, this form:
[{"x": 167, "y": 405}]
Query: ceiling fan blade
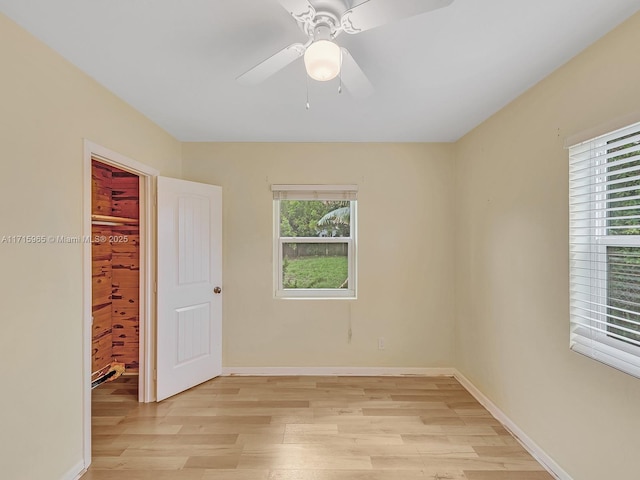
[
  {"x": 353, "y": 77},
  {"x": 271, "y": 65},
  {"x": 375, "y": 13},
  {"x": 301, "y": 10}
]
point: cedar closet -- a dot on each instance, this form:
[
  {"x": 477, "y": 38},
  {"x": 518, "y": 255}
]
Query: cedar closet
[{"x": 115, "y": 252}]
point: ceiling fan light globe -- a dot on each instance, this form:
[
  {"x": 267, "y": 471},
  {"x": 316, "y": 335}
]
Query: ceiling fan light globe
[{"x": 322, "y": 60}]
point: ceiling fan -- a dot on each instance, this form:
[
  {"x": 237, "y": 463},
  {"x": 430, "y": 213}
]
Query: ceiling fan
[{"x": 322, "y": 21}]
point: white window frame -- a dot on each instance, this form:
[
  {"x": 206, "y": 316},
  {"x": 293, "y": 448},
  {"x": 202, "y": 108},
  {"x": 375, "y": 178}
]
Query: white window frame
[
  {"x": 315, "y": 192},
  {"x": 602, "y": 242},
  {"x": 589, "y": 311}
]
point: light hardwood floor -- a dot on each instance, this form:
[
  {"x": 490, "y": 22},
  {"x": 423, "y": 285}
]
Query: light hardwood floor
[{"x": 304, "y": 428}]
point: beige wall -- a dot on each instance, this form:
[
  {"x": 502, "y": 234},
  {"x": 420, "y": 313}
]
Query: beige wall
[
  {"x": 47, "y": 107},
  {"x": 512, "y": 330},
  {"x": 405, "y": 270}
]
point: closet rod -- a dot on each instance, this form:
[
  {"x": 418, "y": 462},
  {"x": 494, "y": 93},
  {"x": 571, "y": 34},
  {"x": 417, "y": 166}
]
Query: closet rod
[{"x": 109, "y": 220}]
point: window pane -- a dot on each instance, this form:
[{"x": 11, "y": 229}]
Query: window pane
[
  {"x": 623, "y": 291},
  {"x": 315, "y": 218},
  {"x": 624, "y": 203},
  {"x": 315, "y": 265}
]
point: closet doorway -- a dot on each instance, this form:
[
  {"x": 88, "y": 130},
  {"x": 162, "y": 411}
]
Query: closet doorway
[{"x": 118, "y": 266}]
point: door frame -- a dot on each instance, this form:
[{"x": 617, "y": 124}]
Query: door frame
[{"x": 148, "y": 176}]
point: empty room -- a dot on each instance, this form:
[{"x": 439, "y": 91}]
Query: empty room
[{"x": 320, "y": 239}]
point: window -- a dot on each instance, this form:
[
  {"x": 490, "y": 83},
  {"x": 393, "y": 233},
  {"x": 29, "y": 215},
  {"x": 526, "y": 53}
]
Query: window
[
  {"x": 604, "y": 198},
  {"x": 315, "y": 241}
]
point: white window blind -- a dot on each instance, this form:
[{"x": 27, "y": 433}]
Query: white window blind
[
  {"x": 604, "y": 231},
  {"x": 315, "y": 192}
]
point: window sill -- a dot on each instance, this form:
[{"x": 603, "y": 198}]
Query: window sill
[{"x": 289, "y": 297}]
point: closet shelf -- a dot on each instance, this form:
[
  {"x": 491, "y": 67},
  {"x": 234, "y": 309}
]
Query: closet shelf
[{"x": 109, "y": 220}]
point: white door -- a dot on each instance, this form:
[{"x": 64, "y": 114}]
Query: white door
[{"x": 189, "y": 346}]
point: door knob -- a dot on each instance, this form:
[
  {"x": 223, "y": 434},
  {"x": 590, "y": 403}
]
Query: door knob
[{"x": 217, "y": 290}]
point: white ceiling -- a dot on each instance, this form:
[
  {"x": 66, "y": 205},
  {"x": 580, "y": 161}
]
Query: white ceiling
[{"x": 436, "y": 76}]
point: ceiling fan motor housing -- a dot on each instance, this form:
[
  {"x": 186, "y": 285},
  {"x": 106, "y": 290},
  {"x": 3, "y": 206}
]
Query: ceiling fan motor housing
[
  {"x": 323, "y": 31},
  {"x": 327, "y": 14}
]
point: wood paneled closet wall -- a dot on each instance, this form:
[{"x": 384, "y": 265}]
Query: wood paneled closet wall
[{"x": 115, "y": 266}]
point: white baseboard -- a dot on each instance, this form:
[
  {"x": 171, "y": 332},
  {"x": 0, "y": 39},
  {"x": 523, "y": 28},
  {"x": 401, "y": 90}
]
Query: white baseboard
[
  {"x": 533, "y": 448},
  {"x": 75, "y": 472},
  {"x": 342, "y": 371}
]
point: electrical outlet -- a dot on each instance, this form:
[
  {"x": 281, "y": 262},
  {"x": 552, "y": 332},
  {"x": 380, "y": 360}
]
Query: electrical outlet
[{"x": 381, "y": 343}]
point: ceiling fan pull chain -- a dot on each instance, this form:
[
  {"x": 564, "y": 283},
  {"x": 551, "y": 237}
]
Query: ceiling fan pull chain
[
  {"x": 340, "y": 84},
  {"x": 308, "y": 104}
]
